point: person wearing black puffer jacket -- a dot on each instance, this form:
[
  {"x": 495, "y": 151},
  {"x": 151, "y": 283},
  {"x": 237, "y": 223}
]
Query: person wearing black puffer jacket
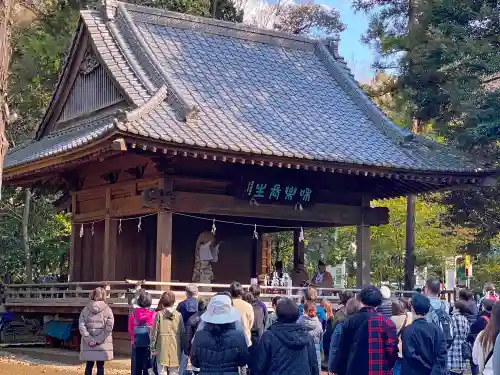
[
  {"x": 286, "y": 348},
  {"x": 219, "y": 348}
]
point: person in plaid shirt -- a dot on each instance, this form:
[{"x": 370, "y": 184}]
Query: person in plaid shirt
[
  {"x": 368, "y": 344},
  {"x": 457, "y": 364}
]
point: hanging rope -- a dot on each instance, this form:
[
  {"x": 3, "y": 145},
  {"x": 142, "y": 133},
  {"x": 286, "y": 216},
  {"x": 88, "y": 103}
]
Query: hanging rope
[{"x": 213, "y": 230}]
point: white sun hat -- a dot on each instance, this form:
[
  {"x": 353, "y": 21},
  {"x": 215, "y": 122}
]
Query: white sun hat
[{"x": 220, "y": 311}]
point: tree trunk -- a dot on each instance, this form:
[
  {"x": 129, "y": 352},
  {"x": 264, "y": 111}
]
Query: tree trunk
[
  {"x": 6, "y": 10},
  {"x": 27, "y": 252}
]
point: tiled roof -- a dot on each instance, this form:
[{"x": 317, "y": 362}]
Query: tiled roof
[
  {"x": 233, "y": 87},
  {"x": 59, "y": 142}
]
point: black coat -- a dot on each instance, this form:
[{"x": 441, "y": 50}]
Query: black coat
[
  {"x": 478, "y": 326},
  {"x": 219, "y": 350},
  {"x": 471, "y": 313},
  {"x": 424, "y": 349},
  {"x": 286, "y": 349}
]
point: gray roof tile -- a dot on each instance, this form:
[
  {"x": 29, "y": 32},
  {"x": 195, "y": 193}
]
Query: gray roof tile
[
  {"x": 265, "y": 99},
  {"x": 58, "y": 142},
  {"x": 256, "y": 92}
]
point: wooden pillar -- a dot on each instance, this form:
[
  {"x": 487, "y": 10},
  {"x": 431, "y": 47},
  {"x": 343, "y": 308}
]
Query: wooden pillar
[
  {"x": 110, "y": 238},
  {"x": 298, "y": 249},
  {"x": 109, "y": 255},
  {"x": 164, "y": 238},
  {"x": 74, "y": 275},
  {"x": 409, "y": 273},
  {"x": 363, "y": 268},
  {"x": 164, "y": 247}
]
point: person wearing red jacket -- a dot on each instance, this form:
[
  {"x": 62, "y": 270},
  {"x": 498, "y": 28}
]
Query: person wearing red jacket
[{"x": 141, "y": 316}]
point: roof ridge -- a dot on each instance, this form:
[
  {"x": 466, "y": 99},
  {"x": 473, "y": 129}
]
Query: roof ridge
[
  {"x": 215, "y": 22},
  {"x": 144, "y": 109},
  {"x": 369, "y": 108},
  {"x": 189, "y": 110}
]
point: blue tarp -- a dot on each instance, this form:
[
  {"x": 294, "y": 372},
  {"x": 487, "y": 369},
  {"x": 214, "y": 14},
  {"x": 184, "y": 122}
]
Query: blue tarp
[{"x": 57, "y": 329}]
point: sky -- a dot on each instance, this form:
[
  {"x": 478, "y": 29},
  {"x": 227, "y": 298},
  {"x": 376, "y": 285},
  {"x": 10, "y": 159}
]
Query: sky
[{"x": 359, "y": 56}]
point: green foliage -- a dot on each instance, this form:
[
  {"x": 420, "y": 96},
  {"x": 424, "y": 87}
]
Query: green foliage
[
  {"x": 308, "y": 19},
  {"x": 442, "y": 53},
  {"x": 434, "y": 242},
  {"x": 48, "y": 237},
  {"x": 37, "y": 56}
]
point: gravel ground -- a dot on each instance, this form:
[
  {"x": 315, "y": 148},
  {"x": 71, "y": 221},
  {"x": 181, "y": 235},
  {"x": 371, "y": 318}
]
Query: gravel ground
[{"x": 16, "y": 363}]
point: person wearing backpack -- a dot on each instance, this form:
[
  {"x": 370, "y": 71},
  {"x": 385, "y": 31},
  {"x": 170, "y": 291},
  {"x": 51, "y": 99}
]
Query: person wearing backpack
[
  {"x": 140, "y": 322},
  {"x": 478, "y": 326},
  {"x": 424, "y": 347},
  {"x": 401, "y": 320},
  {"x": 485, "y": 343},
  {"x": 439, "y": 310},
  {"x": 460, "y": 351}
]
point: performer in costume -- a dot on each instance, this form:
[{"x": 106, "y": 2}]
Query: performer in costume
[{"x": 206, "y": 253}]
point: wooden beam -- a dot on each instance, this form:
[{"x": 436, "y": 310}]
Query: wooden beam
[{"x": 321, "y": 212}]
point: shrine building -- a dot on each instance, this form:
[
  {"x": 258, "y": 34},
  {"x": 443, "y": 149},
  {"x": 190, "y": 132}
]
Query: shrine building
[{"x": 185, "y": 121}]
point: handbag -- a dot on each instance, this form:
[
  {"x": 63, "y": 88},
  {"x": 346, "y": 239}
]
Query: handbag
[
  {"x": 466, "y": 350},
  {"x": 402, "y": 327}
]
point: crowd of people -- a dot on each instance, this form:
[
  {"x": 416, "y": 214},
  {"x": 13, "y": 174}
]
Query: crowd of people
[{"x": 370, "y": 333}]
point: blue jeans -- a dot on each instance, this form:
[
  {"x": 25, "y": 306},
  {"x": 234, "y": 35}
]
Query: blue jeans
[{"x": 397, "y": 367}]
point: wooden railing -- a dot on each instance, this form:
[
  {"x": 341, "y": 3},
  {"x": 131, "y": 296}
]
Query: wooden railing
[{"x": 122, "y": 293}]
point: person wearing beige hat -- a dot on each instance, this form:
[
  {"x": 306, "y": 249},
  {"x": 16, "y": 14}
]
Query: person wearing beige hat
[
  {"x": 385, "y": 308},
  {"x": 219, "y": 347}
]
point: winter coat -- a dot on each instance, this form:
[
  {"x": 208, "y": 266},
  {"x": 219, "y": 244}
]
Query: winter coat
[
  {"x": 424, "y": 349},
  {"x": 187, "y": 308},
  {"x": 327, "y": 336},
  {"x": 191, "y": 328},
  {"x": 286, "y": 349},
  {"x": 263, "y": 306},
  {"x": 472, "y": 311},
  {"x": 257, "y": 329},
  {"x": 401, "y": 322},
  {"x": 385, "y": 308},
  {"x": 96, "y": 324},
  {"x": 167, "y": 337},
  {"x": 139, "y": 316},
  {"x": 315, "y": 330},
  {"x": 247, "y": 317},
  {"x": 478, "y": 326},
  {"x": 219, "y": 350},
  {"x": 334, "y": 344},
  {"x": 368, "y": 345},
  {"x": 479, "y": 355},
  {"x": 496, "y": 356}
]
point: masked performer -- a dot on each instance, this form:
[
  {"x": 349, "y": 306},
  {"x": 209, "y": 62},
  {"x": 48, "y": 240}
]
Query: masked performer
[{"x": 206, "y": 253}]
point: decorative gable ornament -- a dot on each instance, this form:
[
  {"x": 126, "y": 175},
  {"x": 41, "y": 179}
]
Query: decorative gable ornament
[{"x": 89, "y": 63}]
